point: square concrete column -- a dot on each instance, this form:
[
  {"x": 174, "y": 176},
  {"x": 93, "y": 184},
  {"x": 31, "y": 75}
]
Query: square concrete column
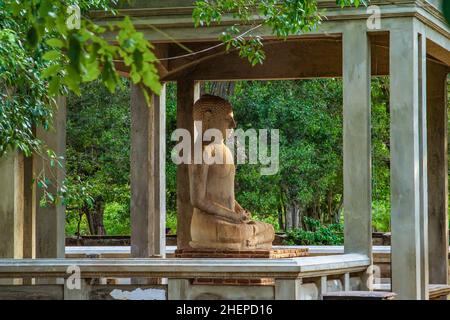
[
  {"x": 50, "y": 219},
  {"x": 148, "y": 176},
  {"x": 188, "y": 91},
  {"x": 288, "y": 289},
  {"x": 357, "y": 140},
  {"x": 29, "y": 210},
  {"x": 409, "y": 203},
  {"x": 11, "y": 205},
  {"x": 437, "y": 172}
]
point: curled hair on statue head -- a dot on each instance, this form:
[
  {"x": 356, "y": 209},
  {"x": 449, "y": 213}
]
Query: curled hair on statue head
[{"x": 209, "y": 106}]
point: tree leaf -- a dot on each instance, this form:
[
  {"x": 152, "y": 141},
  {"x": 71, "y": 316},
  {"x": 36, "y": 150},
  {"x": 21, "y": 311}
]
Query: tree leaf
[
  {"x": 51, "y": 70},
  {"x": 55, "y": 43},
  {"x": 51, "y": 55}
]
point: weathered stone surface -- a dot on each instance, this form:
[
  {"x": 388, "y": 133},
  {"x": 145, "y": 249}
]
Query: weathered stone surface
[{"x": 218, "y": 220}]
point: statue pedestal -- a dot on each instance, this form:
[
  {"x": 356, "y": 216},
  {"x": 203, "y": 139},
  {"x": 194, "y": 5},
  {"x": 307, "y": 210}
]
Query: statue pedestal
[{"x": 241, "y": 254}]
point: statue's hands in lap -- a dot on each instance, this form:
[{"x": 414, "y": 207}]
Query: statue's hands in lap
[{"x": 244, "y": 215}]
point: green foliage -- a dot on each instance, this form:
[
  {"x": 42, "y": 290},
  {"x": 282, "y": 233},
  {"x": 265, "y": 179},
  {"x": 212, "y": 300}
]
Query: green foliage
[
  {"x": 98, "y": 140},
  {"x": 270, "y": 219},
  {"x": 23, "y": 94},
  {"x": 446, "y": 10},
  {"x": 171, "y": 168},
  {"x": 284, "y": 18},
  {"x": 76, "y": 224},
  {"x": 380, "y": 154},
  {"x": 309, "y": 116},
  {"x": 116, "y": 218},
  {"x": 318, "y": 234},
  {"x": 171, "y": 222},
  {"x": 381, "y": 215},
  {"x": 47, "y": 49},
  {"x": 42, "y": 56}
]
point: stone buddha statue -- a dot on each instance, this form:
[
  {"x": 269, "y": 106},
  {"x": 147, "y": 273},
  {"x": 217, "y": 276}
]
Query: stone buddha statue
[{"x": 218, "y": 221}]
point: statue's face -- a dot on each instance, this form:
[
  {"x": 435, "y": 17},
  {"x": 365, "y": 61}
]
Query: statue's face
[
  {"x": 214, "y": 113},
  {"x": 222, "y": 121}
]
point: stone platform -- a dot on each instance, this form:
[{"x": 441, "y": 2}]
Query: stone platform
[{"x": 241, "y": 254}]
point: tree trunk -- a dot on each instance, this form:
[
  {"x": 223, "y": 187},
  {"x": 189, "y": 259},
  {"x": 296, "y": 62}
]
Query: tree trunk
[
  {"x": 90, "y": 222},
  {"x": 300, "y": 218},
  {"x": 289, "y": 220},
  {"x": 282, "y": 216},
  {"x": 95, "y": 219},
  {"x": 293, "y": 220},
  {"x": 295, "y": 216},
  {"x": 337, "y": 212},
  {"x": 329, "y": 206},
  {"x": 99, "y": 209}
]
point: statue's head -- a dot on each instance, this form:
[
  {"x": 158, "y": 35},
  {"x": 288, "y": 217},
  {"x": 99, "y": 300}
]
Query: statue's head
[{"x": 214, "y": 113}]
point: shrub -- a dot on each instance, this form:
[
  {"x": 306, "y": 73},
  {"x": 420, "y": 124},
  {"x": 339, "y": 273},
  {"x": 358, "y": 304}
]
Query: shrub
[
  {"x": 318, "y": 234},
  {"x": 171, "y": 221}
]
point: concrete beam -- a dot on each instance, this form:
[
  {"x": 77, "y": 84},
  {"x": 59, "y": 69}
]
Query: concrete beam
[
  {"x": 409, "y": 213},
  {"x": 437, "y": 172},
  {"x": 188, "y": 92},
  {"x": 148, "y": 180},
  {"x": 50, "y": 219},
  {"x": 357, "y": 140},
  {"x": 314, "y": 57}
]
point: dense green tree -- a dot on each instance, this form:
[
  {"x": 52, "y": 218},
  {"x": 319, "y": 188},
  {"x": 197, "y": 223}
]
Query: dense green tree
[
  {"x": 42, "y": 56},
  {"x": 48, "y": 48},
  {"x": 307, "y": 188},
  {"x": 98, "y": 165},
  {"x": 309, "y": 116}
]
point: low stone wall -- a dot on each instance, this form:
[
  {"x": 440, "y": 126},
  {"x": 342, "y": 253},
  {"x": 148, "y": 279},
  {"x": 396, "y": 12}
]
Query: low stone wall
[
  {"x": 381, "y": 255},
  {"x": 379, "y": 239},
  {"x": 300, "y": 278}
]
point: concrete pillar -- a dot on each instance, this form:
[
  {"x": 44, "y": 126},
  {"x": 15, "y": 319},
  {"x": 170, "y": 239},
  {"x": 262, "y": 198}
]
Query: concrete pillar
[
  {"x": 74, "y": 293},
  {"x": 29, "y": 210},
  {"x": 357, "y": 140},
  {"x": 148, "y": 179},
  {"x": 178, "y": 289},
  {"x": 409, "y": 212},
  {"x": 288, "y": 289},
  {"x": 50, "y": 219},
  {"x": 188, "y": 92},
  {"x": 11, "y": 205},
  {"x": 437, "y": 172}
]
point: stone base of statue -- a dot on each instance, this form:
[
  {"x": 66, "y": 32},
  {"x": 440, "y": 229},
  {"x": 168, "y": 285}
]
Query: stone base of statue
[
  {"x": 209, "y": 232},
  {"x": 240, "y": 254}
]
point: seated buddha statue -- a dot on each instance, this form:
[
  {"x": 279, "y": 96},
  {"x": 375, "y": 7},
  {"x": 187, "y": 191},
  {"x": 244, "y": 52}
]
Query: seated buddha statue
[{"x": 218, "y": 221}]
